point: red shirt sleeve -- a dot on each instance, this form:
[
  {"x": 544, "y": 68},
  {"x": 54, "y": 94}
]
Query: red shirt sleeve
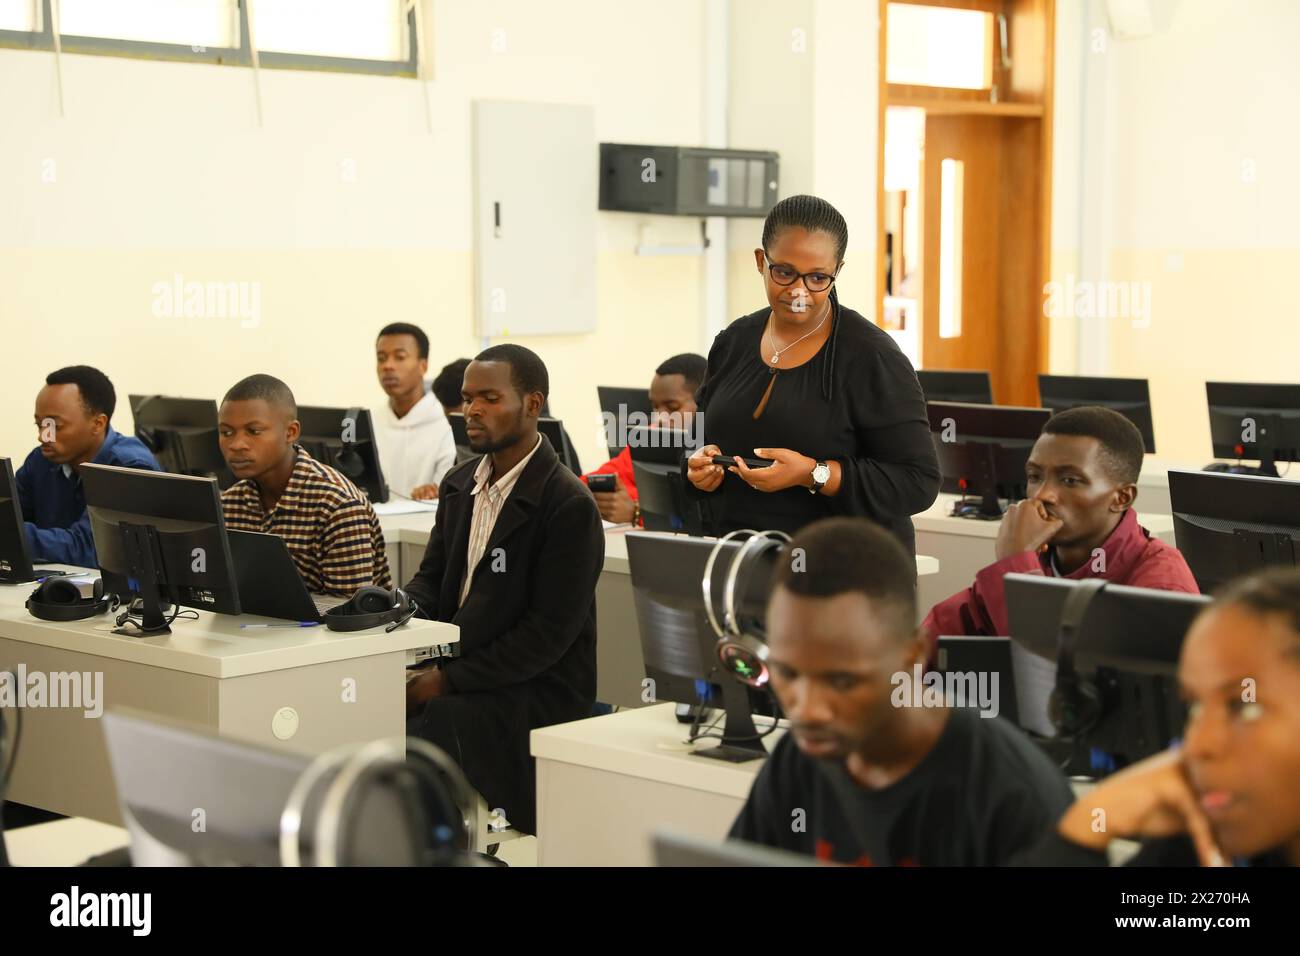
[
  {"x": 622, "y": 467},
  {"x": 981, "y": 609}
]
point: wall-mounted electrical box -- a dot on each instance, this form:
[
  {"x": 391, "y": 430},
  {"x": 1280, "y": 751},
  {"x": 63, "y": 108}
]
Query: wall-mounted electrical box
[{"x": 687, "y": 181}]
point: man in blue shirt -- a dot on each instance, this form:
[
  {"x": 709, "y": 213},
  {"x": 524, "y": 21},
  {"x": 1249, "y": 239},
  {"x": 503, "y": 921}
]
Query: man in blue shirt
[{"x": 72, "y": 415}]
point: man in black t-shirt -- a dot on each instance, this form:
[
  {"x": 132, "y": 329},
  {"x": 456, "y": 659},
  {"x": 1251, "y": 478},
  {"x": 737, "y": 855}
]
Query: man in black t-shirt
[{"x": 873, "y": 771}]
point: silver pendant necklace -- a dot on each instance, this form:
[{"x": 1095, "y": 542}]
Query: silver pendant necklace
[{"x": 771, "y": 337}]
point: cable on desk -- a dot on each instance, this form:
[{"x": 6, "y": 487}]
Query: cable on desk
[
  {"x": 701, "y": 735},
  {"x": 128, "y": 617}
]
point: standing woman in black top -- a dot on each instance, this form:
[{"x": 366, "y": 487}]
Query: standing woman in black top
[{"x": 814, "y": 386}]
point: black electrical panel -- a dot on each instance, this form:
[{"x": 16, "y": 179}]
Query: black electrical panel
[{"x": 687, "y": 181}]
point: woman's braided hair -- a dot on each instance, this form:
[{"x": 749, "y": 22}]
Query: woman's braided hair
[
  {"x": 815, "y": 215},
  {"x": 1272, "y": 591}
]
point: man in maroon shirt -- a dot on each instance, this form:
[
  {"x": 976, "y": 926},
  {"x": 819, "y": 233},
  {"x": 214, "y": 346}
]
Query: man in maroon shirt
[{"x": 1077, "y": 521}]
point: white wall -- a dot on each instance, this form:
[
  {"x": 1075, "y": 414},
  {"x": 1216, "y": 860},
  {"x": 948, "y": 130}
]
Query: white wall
[
  {"x": 1194, "y": 198},
  {"x": 1171, "y": 170},
  {"x": 803, "y": 82},
  {"x": 343, "y": 206}
]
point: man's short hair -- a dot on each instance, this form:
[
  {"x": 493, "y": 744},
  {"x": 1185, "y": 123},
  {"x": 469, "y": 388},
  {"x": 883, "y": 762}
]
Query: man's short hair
[
  {"x": 448, "y": 383},
  {"x": 267, "y": 388},
  {"x": 97, "y": 393},
  {"x": 838, "y": 555},
  {"x": 689, "y": 366},
  {"x": 406, "y": 328},
  {"x": 1121, "y": 443},
  {"x": 527, "y": 370}
]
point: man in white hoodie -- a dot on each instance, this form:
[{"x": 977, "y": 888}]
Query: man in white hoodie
[{"x": 415, "y": 444}]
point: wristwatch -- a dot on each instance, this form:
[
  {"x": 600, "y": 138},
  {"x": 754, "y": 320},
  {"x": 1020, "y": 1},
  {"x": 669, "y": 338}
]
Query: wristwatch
[{"x": 821, "y": 474}]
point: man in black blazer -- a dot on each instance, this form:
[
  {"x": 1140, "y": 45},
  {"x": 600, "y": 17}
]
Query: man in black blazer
[{"x": 513, "y": 560}]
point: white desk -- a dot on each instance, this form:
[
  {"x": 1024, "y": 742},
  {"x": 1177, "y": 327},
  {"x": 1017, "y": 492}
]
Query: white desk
[
  {"x": 964, "y": 547},
  {"x": 619, "y": 666},
  {"x": 62, "y": 842},
  {"x": 342, "y": 687},
  {"x": 605, "y": 784},
  {"x": 1153, "y": 484},
  {"x": 405, "y": 538}
]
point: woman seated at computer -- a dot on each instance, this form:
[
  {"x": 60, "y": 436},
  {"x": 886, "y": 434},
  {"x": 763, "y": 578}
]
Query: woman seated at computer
[
  {"x": 814, "y": 387},
  {"x": 1230, "y": 794}
]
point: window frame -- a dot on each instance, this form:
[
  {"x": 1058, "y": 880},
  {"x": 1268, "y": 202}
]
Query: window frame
[{"x": 221, "y": 56}]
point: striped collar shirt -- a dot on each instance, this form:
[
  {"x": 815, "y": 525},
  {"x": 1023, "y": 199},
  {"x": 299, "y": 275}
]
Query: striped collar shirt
[
  {"x": 489, "y": 499},
  {"x": 326, "y": 522}
]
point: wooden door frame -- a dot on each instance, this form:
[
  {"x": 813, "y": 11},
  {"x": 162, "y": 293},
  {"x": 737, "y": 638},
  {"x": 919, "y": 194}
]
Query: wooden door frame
[{"x": 966, "y": 101}]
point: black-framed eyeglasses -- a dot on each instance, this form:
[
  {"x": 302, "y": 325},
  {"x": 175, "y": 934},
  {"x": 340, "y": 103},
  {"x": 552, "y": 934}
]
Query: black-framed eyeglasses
[{"x": 784, "y": 275}]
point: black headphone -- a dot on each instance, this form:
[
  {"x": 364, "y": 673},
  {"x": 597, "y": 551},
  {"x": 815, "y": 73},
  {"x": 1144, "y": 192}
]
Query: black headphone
[
  {"x": 371, "y": 607},
  {"x": 1075, "y": 704},
  {"x": 436, "y": 796},
  {"x": 742, "y": 650},
  {"x": 59, "y": 599}
]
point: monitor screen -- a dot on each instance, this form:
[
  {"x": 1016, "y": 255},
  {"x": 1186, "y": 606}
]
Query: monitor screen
[
  {"x": 1131, "y": 397},
  {"x": 1229, "y": 525}
]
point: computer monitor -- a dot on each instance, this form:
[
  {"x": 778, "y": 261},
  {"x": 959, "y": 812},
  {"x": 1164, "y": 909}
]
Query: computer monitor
[
  {"x": 1127, "y": 644},
  {"x": 660, "y": 446},
  {"x": 680, "y": 850},
  {"x": 460, "y": 438},
  {"x": 1254, "y": 421},
  {"x": 1131, "y": 397},
  {"x": 161, "y": 538},
  {"x": 943, "y": 385},
  {"x": 1229, "y": 525},
  {"x": 677, "y": 641},
  {"x": 623, "y": 408},
  {"x": 552, "y": 428},
  {"x": 344, "y": 438},
  {"x": 982, "y": 452},
  {"x": 554, "y": 431},
  {"x": 662, "y": 496},
  {"x": 182, "y": 434},
  {"x": 165, "y": 770},
  {"x": 15, "y": 558}
]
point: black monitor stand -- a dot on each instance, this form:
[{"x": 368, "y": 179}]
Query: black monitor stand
[
  {"x": 740, "y": 741},
  {"x": 1266, "y": 468},
  {"x": 141, "y": 545},
  {"x": 985, "y": 508},
  {"x": 976, "y": 463}
]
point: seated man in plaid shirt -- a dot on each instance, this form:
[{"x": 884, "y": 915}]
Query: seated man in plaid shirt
[{"x": 325, "y": 520}]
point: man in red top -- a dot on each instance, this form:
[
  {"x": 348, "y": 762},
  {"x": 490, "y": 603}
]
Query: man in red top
[
  {"x": 1077, "y": 521},
  {"x": 672, "y": 399}
]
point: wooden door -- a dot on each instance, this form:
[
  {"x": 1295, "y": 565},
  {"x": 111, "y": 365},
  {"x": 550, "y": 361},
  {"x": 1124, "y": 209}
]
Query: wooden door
[
  {"x": 1001, "y": 135},
  {"x": 1000, "y": 260}
]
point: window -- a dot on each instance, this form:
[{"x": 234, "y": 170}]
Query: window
[
  {"x": 364, "y": 36},
  {"x": 359, "y": 29},
  {"x": 23, "y": 15},
  {"x": 202, "y": 23},
  {"x": 951, "y": 174},
  {"x": 939, "y": 46}
]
